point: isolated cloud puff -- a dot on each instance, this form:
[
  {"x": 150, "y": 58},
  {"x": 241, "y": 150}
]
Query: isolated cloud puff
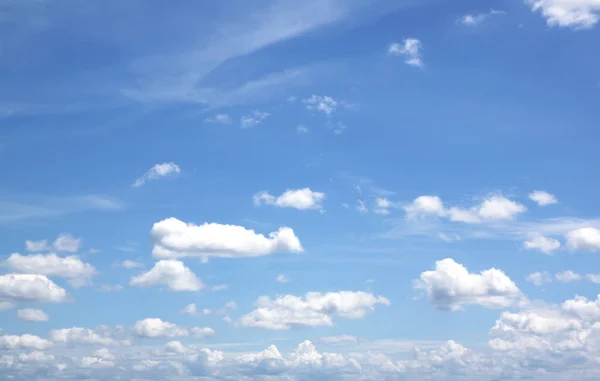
[
  {"x": 158, "y": 171},
  {"x": 301, "y": 199},
  {"x": 174, "y": 239},
  {"x": 170, "y": 272}
]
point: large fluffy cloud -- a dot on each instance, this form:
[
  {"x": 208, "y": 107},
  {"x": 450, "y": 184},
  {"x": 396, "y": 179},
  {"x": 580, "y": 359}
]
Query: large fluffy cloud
[
  {"x": 30, "y": 288},
  {"x": 568, "y": 13},
  {"x": 292, "y": 198},
  {"x": 450, "y": 287},
  {"x": 314, "y": 309},
  {"x": 52, "y": 265},
  {"x": 174, "y": 238},
  {"x": 584, "y": 239},
  {"x": 170, "y": 272}
]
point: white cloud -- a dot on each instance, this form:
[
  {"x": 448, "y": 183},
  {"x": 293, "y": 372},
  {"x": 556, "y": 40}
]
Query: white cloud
[
  {"x": 31, "y": 314},
  {"x": 79, "y": 335},
  {"x": 158, "y": 171},
  {"x": 193, "y": 310},
  {"x": 30, "y": 288},
  {"x": 111, "y": 288},
  {"x": 174, "y": 239},
  {"x": 410, "y": 49},
  {"x": 281, "y": 278},
  {"x": 24, "y": 342},
  {"x": 219, "y": 119},
  {"x": 539, "y": 278},
  {"x": 302, "y": 129},
  {"x": 449, "y": 237},
  {"x": 584, "y": 239},
  {"x": 202, "y": 332},
  {"x": 361, "y": 207},
  {"x": 476, "y": 19},
  {"x": 154, "y": 327},
  {"x": 36, "y": 246},
  {"x": 301, "y": 199},
  {"x": 338, "y": 339},
  {"x": 567, "y": 276},
  {"x": 70, "y": 267},
  {"x": 594, "y": 278},
  {"x": 542, "y": 198},
  {"x": 492, "y": 208},
  {"x": 450, "y": 287},
  {"x": 4, "y": 305},
  {"x": 66, "y": 242},
  {"x": 324, "y": 103},
  {"x": 170, "y": 272},
  {"x": 576, "y": 14},
  {"x": 253, "y": 119},
  {"x": 129, "y": 264},
  {"x": 544, "y": 244},
  {"x": 425, "y": 205},
  {"x": 312, "y": 310}
]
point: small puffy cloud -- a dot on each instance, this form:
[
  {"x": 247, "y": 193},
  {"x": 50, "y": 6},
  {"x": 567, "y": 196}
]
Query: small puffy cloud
[
  {"x": 584, "y": 239},
  {"x": 66, "y": 242},
  {"x": 539, "y": 278},
  {"x": 36, "y": 246},
  {"x": 129, "y": 264},
  {"x": 32, "y": 314},
  {"x": 594, "y": 278},
  {"x": 567, "y": 276},
  {"x": 301, "y": 199},
  {"x": 478, "y": 18},
  {"x": 253, "y": 119},
  {"x": 302, "y": 129},
  {"x": 338, "y": 339},
  {"x": 193, "y": 310},
  {"x": 450, "y": 287},
  {"x": 425, "y": 205},
  {"x": 219, "y": 119},
  {"x": 79, "y": 335},
  {"x": 579, "y": 14},
  {"x": 70, "y": 267},
  {"x": 154, "y": 327},
  {"x": 281, "y": 278},
  {"x": 320, "y": 103},
  {"x": 170, "y": 272},
  {"x": 542, "y": 198},
  {"x": 158, "y": 171},
  {"x": 174, "y": 239},
  {"x": 4, "y": 305},
  {"x": 493, "y": 208},
  {"x": 410, "y": 49},
  {"x": 312, "y": 310},
  {"x": 30, "y": 288},
  {"x": 202, "y": 332},
  {"x": 449, "y": 237},
  {"x": 544, "y": 244},
  {"x": 24, "y": 342}
]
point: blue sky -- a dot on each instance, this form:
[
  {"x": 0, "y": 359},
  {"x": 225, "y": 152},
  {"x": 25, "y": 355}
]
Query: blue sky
[{"x": 335, "y": 183}]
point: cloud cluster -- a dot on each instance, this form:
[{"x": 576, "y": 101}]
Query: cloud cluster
[
  {"x": 451, "y": 287},
  {"x": 70, "y": 267},
  {"x": 157, "y": 328},
  {"x": 313, "y": 310},
  {"x": 301, "y": 199},
  {"x": 410, "y": 49},
  {"x": 579, "y": 14},
  {"x": 175, "y": 239}
]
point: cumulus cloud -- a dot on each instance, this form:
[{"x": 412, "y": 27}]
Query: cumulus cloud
[
  {"x": 312, "y": 310},
  {"x": 301, "y": 199},
  {"x": 70, "y": 267},
  {"x": 544, "y": 244},
  {"x": 580, "y": 14},
  {"x": 32, "y": 314},
  {"x": 30, "y": 288},
  {"x": 584, "y": 239},
  {"x": 281, "y": 278},
  {"x": 36, "y": 246},
  {"x": 219, "y": 119},
  {"x": 24, "y": 342},
  {"x": 129, "y": 264},
  {"x": 567, "y": 276},
  {"x": 320, "y": 103},
  {"x": 477, "y": 18},
  {"x": 174, "y": 239},
  {"x": 542, "y": 198},
  {"x": 410, "y": 49},
  {"x": 154, "y": 327},
  {"x": 158, "y": 171},
  {"x": 79, "y": 335},
  {"x": 253, "y": 119},
  {"x": 425, "y": 205},
  {"x": 451, "y": 287},
  {"x": 66, "y": 242},
  {"x": 539, "y": 278},
  {"x": 170, "y": 272}
]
